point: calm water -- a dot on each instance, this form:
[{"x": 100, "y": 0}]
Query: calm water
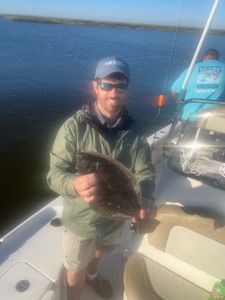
[{"x": 45, "y": 75}]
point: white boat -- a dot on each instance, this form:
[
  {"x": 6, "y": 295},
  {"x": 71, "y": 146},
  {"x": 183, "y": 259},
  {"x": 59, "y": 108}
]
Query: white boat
[
  {"x": 180, "y": 253},
  {"x": 183, "y": 255}
]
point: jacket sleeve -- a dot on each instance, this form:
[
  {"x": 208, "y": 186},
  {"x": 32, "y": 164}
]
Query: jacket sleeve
[
  {"x": 144, "y": 169},
  {"x": 62, "y": 161}
]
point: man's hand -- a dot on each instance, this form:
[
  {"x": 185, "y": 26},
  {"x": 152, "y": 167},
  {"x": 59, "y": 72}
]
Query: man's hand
[
  {"x": 87, "y": 186},
  {"x": 141, "y": 214},
  {"x": 146, "y": 209}
]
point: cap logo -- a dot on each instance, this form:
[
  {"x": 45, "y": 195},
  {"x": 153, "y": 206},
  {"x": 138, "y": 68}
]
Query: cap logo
[{"x": 111, "y": 62}]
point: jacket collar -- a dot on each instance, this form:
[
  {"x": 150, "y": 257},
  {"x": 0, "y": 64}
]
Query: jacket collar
[{"x": 92, "y": 116}]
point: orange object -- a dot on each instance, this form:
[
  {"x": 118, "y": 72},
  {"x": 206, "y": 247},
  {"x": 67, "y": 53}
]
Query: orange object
[{"x": 159, "y": 100}]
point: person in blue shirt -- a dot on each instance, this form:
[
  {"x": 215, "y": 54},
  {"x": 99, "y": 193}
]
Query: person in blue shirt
[{"x": 207, "y": 81}]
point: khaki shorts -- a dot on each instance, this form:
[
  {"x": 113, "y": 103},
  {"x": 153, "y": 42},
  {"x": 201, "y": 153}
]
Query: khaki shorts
[{"x": 79, "y": 251}]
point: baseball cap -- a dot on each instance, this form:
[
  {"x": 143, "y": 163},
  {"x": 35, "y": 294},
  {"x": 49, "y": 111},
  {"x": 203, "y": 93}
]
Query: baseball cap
[{"x": 110, "y": 65}]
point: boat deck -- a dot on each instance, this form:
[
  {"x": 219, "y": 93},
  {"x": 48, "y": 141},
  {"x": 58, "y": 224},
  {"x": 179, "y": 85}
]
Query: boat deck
[{"x": 31, "y": 259}]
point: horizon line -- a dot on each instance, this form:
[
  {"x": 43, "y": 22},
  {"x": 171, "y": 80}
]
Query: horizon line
[{"x": 76, "y": 21}]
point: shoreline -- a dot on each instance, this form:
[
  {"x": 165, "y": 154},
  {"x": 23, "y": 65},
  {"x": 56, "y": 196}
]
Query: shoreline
[{"x": 70, "y": 21}]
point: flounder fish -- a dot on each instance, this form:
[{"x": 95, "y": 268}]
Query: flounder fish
[{"x": 120, "y": 193}]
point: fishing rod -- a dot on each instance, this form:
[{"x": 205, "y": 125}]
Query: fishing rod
[{"x": 161, "y": 99}]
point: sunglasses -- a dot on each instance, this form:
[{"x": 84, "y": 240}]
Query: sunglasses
[{"x": 120, "y": 87}]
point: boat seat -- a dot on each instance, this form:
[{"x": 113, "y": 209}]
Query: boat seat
[
  {"x": 181, "y": 258},
  {"x": 213, "y": 120}
]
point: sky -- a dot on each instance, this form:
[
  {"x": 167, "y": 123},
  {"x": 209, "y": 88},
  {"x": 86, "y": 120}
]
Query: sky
[{"x": 170, "y": 12}]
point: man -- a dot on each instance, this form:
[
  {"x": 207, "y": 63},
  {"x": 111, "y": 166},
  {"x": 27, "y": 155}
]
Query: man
[
  {"x": 207, "y": 81},
  {"x": 103, "y": 126}
]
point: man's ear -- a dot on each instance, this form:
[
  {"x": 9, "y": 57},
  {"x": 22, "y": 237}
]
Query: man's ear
[{"x": 95, "y": 86}]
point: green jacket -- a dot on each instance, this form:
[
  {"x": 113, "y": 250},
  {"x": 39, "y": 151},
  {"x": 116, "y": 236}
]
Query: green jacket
[{"x": 83, "y": 132}]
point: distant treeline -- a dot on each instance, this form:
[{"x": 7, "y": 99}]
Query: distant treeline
[{"x": 70, "y": 21}]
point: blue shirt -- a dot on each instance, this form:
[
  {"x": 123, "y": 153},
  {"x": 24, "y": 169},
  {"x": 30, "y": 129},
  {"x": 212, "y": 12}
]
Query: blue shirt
[{"x": 207, "y": 81}]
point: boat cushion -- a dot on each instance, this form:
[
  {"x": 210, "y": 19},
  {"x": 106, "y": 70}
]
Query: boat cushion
[
  {"x": 193, "y": 236},
  {"x": 136, "y": 280},
  {"x": 197, "y": 219},
  {"x": 213, "y": 120}
]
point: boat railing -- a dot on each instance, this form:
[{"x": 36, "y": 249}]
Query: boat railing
[
  {"x": 210, "y": 117},
  {"x": 204, "y": 101}
]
